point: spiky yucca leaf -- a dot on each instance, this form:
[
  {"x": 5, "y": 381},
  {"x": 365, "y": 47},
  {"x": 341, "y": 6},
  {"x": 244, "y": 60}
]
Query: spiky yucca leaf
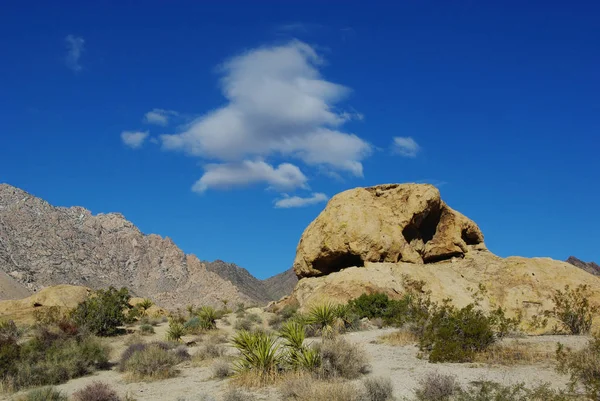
[
  {"x": 259, "y": 351},
  {"x": 293, "y": 334}
]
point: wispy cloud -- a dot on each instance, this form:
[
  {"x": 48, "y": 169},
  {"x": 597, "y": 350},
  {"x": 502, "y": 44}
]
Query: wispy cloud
[
  {"x": 297, "y": 201},
  {"x": 297, "y": 28},
  {"x": 405, "y": 146},
  {"x": 230, "y": 175},
  {"x": 75, "y": 47},
  {"x": 159, "y": 116},
  {"x": 134, "y": 139},
  {"x": 278, "y": 106}
]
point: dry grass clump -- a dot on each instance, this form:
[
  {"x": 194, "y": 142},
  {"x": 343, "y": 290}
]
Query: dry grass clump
[
  {"x": 221, "y": 369},
  {"x": 515, "y": 353},
  {"x": 342, "y": 359},
  {"x": 398, "y": 338},
  {"x": 97, "y": 391},
  {"x": 151, "y": 362},
  {"x": 378, "y": 389},
  {"x": 237, "y": 395},
  {"x": 44, "y": 394},
  {"x": 208, "y": 351},
  {"x": 306, "y": 388},
  {"x": 437, "y": 387}
]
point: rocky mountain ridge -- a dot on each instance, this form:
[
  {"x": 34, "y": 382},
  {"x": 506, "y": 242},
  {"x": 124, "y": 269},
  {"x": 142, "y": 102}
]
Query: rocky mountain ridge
[
  {"x": 43, "y": 245},
  {"x": 589, "y": 267}
]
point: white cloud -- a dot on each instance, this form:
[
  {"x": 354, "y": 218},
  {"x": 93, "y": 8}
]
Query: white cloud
[
  {"x": 278, "y": 105},
  {"x": 405, "y": 146},
  {"x": 134, "y": 139},
  {"x": 297, "y": 201},
  {"x": 74, "y": 50},
  {"x": 159, "y": 116},
  {"x": 229, "y": 175}
]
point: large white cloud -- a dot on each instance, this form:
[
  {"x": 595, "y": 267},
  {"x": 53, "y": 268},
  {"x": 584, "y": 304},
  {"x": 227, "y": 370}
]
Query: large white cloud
[
  {"x": 278, "y": 105},
  {"x": 284, "y": 177}
]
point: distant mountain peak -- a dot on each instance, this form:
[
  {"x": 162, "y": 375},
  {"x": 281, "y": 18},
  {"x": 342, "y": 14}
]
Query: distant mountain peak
[
  {"x": 589, "y": 267},
  {"x": 43, "y": 245}
]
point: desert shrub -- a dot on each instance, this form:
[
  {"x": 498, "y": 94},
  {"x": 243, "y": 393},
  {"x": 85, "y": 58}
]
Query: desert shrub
[
  {"x": 376, "y": 305},
  {"x": 339, "y": 358},
  {"x": 503, "y": 325},
  {"x": 129, "y": 351},
  {"x": 146, "y": 329},
  {"x": 221, "y": 370},
  {"x": 238, "y": 395},
  {"x": 260, "y": 352},
  {"x": 583, "y": 367},
  {"x": 243, "y": 324},
  {"x": 489, "y": 391},
  {"x": 9, "y": 347},
  {"x": 176, "y": 331},
  {"x": 193, "y": 326},
  {"x": 103, "y": 312},
  {"x": 53, "y": 357},
  {"x": 209, "y": 351},
  {"x": 152, "y": 362},
  {"x": 44, "y": 394},
  {"x": 305, "y": 388},
  {"x": 255, "y": 318},
  {"x": 298, "y": 355},
  {"x": 96, "y": 391},
  {"x": 573, "y": 309},
  {"x": 437, "y": 387},
  {"x": 455, "y": 335},
  {"x": 399, "y": 338},
  {"x": 378, "y": 389},
  {"x": 152, "y": 321}
]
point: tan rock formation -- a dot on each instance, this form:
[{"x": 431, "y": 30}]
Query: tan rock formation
[
  {"x": 386, "y": 223},
  {"x": 515, "y": 283}
]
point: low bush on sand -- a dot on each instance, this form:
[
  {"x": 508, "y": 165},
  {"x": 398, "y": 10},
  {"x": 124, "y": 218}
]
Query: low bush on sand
[{"x": 96, "y": 391}]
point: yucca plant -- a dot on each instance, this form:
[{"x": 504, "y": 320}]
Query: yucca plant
[
  {"x": 322, "y": 316},
  {"x": 145, "y": 305},
  {"x": 176, "y": 331},
  {"x": 260, "y": 352},
  {"x": 308, "y": 359},
  {"x": 293, "y": 334},
  {"x": 208, "y": 317}
]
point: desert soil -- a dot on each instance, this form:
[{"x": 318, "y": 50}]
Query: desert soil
[{"x": 400, "y": 363}]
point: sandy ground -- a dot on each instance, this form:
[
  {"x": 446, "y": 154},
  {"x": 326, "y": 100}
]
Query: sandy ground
[{"x": 399, "y": 363}]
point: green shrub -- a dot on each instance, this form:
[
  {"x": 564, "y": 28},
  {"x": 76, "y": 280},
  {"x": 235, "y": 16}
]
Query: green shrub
[
  {"x": 455, "y": 335},
  {"x": 153, "y": 362},
  {"x": 44, "y": 394},
  {"x": 583, "y": 367},
  {"x": 96, "y": 391},
  {"x": 503, "y": 325},
  {"x": 193, "y": 326},
  {"x": 573, "y": 309},
  {"x": 146, "y": 329},
  {"x": 9, "y": 347},
  {"x": 54, "y": 358},
  {"x": 103, "y": 312},
  {"x": 243, "y": 324}
]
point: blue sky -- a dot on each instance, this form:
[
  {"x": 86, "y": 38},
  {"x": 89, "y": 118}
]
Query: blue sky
[{"x": 226, "y": 125}]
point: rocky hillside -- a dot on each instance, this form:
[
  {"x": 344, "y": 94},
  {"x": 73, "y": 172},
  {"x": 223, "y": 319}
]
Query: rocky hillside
[
  {"x": 589, "y": 267},
  {"x": 43, "y": 245},
  {"x": 270, "y": 289},
  {"x": 385, "y": 238}
]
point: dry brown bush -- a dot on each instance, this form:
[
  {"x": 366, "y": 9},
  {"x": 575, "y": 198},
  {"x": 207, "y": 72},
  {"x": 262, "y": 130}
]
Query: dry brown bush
[
  {"x": 516, "y": 353},
  {"x": 398, "y": 338}
]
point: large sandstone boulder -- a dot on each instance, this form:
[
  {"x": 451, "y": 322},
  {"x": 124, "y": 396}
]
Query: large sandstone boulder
[
  {"x": 520, "y": 285},
  {"x": 386, "y": 223}
]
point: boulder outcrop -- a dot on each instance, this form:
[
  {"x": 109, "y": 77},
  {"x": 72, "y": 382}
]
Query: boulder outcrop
[{"x": 386, "y": 223}]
